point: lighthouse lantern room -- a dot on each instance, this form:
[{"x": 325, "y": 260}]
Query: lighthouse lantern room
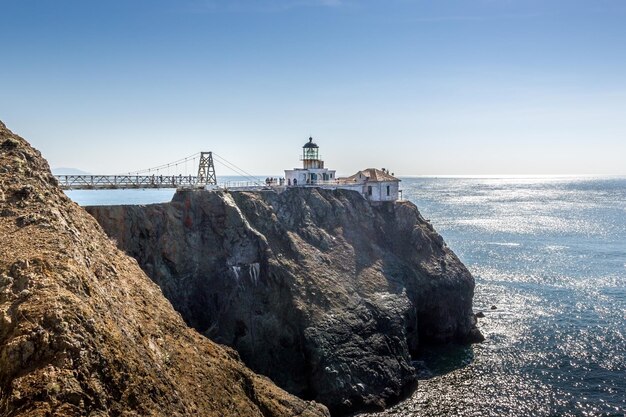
[
  {"x": 312, "y": 171},
  {"x": 311, "y": 155}
]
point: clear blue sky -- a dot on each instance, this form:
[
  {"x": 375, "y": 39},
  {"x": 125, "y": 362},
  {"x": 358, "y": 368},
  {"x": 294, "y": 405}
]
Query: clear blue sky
[{"x": 421, "y": 87}]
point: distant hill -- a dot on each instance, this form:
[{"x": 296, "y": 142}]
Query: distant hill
[{"x": 69, "y": 171}]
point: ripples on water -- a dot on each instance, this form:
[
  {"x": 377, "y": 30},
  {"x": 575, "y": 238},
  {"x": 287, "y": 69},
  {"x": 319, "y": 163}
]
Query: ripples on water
[{"x": 550, "y": 253}]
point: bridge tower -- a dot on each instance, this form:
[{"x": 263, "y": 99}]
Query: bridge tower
[{"x": 206, "y": 169}]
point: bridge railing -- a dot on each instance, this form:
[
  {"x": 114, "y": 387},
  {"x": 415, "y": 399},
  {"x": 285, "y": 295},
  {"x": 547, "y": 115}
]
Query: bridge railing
[
  {"x": 112, "y": 182},
  {"x": 241, "y": 184},
  {"x": 98, "y": 182}
]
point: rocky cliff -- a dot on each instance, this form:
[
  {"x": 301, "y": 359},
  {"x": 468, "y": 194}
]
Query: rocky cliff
[
  {"x": 84, "y": 332},
  {"x": 318, "y": 289}
]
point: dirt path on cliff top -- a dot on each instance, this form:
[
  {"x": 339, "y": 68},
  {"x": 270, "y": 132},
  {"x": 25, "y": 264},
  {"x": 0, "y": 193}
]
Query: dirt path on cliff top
[{"x": 83, "y": 331}]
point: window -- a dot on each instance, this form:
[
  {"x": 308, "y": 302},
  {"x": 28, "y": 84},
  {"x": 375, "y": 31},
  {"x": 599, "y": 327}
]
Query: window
[
  {"x": 369, "y": 190},
  {"x": 387, "y": 191}
]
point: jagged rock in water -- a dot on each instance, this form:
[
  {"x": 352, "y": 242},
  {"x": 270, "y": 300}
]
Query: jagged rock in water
[
  {"x": 83, "y": 330},
  {"x": 318, "y": 289}
]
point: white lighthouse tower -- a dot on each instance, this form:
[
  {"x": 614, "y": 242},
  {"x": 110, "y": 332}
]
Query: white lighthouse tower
[{"x": 312, "y": 171}]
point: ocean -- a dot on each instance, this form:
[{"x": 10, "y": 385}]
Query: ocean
[{"x": 550, "y": 254}]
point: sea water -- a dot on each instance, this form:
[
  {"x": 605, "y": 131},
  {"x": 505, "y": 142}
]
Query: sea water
[{"x": 550, "y": 255}]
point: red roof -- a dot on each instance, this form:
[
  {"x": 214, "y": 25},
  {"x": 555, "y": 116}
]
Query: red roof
[{"x": 372, "y": 175}]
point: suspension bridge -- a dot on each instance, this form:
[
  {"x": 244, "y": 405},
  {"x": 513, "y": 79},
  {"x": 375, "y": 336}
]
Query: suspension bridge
[{"x": 163, "y": 176}]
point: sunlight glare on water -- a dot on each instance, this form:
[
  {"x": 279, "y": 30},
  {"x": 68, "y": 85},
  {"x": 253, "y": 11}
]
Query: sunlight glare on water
[{"x": 550, "y": 254}]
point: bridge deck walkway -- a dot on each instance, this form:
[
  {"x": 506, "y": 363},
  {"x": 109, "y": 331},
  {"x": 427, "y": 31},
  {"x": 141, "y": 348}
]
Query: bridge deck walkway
[{"x": 112, "y": 182}]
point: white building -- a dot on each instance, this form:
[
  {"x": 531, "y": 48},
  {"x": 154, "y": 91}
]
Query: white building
[
  {"x": 312, "y": 171},
  {"x": 374, "y": 184}
]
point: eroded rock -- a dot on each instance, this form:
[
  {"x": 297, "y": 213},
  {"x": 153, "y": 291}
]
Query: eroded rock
[{"x": 323, "y": 292}]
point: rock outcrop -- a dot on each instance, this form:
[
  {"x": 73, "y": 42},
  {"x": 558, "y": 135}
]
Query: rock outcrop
[
  {"x": 83, "y": 330},
  {"x": 318, "y": 289}
]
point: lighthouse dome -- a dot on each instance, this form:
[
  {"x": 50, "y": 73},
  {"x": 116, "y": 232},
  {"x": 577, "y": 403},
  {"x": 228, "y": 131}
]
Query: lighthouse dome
[{"x": 310, "y": 144}]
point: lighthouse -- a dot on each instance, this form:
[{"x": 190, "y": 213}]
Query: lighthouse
[
  {"x": 312, "y": 171},
  {"x": 311, "y": 156}
]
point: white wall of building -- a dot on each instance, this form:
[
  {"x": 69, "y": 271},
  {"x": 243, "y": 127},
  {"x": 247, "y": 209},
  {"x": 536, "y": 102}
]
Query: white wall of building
[
  {"x": 381, "y": 190},
  {"x": 352, "y": 187},
  {"x": 301, "y": 175}
]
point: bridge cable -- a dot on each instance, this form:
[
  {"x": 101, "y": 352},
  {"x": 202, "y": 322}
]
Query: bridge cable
[
  {"x": 156, "y": 169},
  {"x": 238, "y": 170},
  {"x": 193, "y": 157}
]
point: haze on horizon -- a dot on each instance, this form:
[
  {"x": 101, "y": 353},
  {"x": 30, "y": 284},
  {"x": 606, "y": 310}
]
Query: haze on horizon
[{"x": 423, "y": 88}]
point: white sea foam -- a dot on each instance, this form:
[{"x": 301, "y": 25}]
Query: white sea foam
[{"x": 512, "y": 244}]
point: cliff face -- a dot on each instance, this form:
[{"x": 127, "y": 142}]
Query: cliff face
[
  {"x": 83, "y": 330},
  {"x": 317, "y": 289}
]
